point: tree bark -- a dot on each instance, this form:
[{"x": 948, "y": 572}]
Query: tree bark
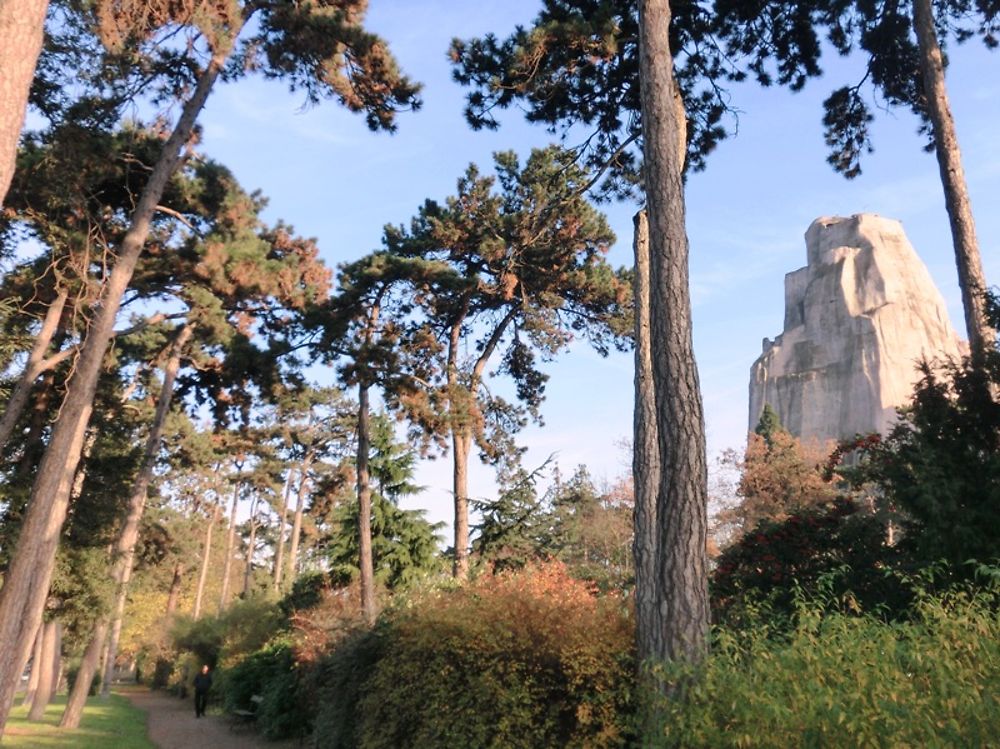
[
  {"x": 175, "y": 588},
  {"x": 124, "y": 551},
  {"x": 251, "y": 548},
  {"x": 205, "y": 557},
  {"x": 365, "y": 563},
  {"x": 27, "y": 582},
  {"x": 59, "y": 667},
  {"x": 300, "y": 499},
  {"x": 47, "y": 669},
  {"x": 36, "y": 658},
  {"x": 279, "y": 556},
  {"x": 21, "y": 27},
  {"x": 32, "y": 444},
  {"x": 227, "y": 564},
  {"x": 681, "y": 616},
  {"x": 34, "y": 367},
  {"x": 461, "y": 445},
  {"x": 463, "y": 417},
  {"x": 971, "y": 279},
  {"x": 645, "y": 446},
  {"x": 88, "y": 667}
]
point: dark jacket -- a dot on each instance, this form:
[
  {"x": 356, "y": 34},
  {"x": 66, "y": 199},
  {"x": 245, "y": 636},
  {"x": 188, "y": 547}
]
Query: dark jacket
[{"x": 202, "y": 682}]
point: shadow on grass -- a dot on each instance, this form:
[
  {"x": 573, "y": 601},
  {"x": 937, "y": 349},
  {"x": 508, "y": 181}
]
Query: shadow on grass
[{"x": 111, "y": 723}]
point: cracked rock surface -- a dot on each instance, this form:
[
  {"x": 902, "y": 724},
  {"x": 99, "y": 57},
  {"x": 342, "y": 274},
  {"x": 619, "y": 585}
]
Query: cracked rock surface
[{"x": 859, "y": 317}]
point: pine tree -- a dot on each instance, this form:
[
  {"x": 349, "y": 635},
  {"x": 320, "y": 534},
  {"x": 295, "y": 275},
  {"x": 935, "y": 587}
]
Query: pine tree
[
  {"x": 325, "y": 54},
  {"x": 525, "y": 276}
]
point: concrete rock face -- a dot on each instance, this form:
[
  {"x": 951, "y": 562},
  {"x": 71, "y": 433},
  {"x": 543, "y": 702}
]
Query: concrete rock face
[{"x": 858, "y": 318}]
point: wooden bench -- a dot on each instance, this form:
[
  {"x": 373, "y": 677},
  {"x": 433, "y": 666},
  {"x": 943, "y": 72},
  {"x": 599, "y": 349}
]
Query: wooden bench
[{"x": 248, "y": 716}]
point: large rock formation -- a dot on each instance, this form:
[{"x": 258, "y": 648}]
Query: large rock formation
[{"x": 858, "y": 318}]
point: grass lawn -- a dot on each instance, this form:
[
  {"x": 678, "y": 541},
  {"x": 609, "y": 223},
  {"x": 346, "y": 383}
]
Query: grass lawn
[{"x": 111, "y": 723}]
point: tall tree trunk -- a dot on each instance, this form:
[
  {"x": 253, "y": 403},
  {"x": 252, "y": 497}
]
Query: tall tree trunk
[
  {"x": 279, "y": 555},
  {"x": 58, "y": 667},
  {"x": 85, "y": 676},
  {"x": 124, "y": 551},
  {"x": 46, "y": 670},
  {"x": 461, "y": 445},
  {"x": 251, "y": 548},
  {"x": 34, "y": 367},
  {"x": 365, "y": 563},
  {"x": 205, "y": 558},
  {"x": 175, "y": 588},
  {"x": 462, "y": 416},
  {"x": 300, "y": 500},
  {"x": 681, "y": 617},
  {"x": 21, "y": 25},
  {"x": 227, "y": 564},
  {"x": 956, "y": 192},
  {"x": 36, "y": 658},
  {"x": 104, "y": 657},
  {"x": 33, "y": 445},
  {"x": 645, "y": 447},
  {"x": 27, "y": 582}
]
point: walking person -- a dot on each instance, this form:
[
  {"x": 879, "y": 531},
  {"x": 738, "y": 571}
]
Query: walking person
[{"x": 202, "y": 683}]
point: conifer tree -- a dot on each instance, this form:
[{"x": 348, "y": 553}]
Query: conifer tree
[
  {"x": 526, "y": 276},
  {"x": 403, "y": 543},
  {"x": 368, "y": 330},
  {"x": 582, "y": 63},
  {"x": 321, "y": 48},
  {"x": 575, "y": 69}
]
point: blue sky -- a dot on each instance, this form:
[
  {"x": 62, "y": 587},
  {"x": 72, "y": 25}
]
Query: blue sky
[{"x": 325, "y": 173}]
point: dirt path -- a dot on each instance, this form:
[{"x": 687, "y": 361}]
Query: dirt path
[{"x": 172, "y": 725}]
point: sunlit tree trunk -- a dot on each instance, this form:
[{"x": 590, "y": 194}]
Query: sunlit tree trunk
[
  {"x": 300, "y": 501},
  {"x": 48, "y": 669},
  {"x": 32, "y": 443},
  {"x": 677, "y": 627},
  {"x": 175, "y": 588},
  {"x": 124, "y": 551},
  {"x": 21, "y": 26},
  {"x": 36, "y": 658},
  {"x": 251, "y": 549},
  {"x": 227, "y": 564},
  {"x": 971, "y": 279},
  {"x": 88, "y": 667},
  {"x": 34, "y": 367},
  {"x": 461, "y": 446},
  {"x": 461, "y": 405},
  {"x": 365, "y": 563},
  {"x": 279, "y": 555},
  {"x": 27, "y": 581},
  {"x": 205, "y": 560},
  {"x": 645, "y": 446}
]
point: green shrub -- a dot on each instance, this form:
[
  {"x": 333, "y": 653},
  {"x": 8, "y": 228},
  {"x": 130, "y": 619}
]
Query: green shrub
[
  {"x": 307, "y": 592},
  {"x": 74, "y": 671},
  {"x": 840, "y": 547},
  {"x": 339, "y": 679},
  {"x": 226, "y": 638},
  {"x": 842, "y": 680},
  {"x": 529, "y": 659},
  {"x": 271, "y": 673}
]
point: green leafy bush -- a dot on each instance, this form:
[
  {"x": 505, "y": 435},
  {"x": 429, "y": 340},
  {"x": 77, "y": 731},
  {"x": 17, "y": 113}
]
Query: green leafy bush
[
  {"x": 272, "y": 673},
  {"x": 839, "y": 546},
  {"x": 940, "y": 464},
  {"x": 526, "y": 659},
  {"x": 846, "y": 681},
  {"x": 241, "y": 629}
]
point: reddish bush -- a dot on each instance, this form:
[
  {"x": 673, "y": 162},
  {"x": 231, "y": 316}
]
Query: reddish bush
[{"x": 526, "y": 659}]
